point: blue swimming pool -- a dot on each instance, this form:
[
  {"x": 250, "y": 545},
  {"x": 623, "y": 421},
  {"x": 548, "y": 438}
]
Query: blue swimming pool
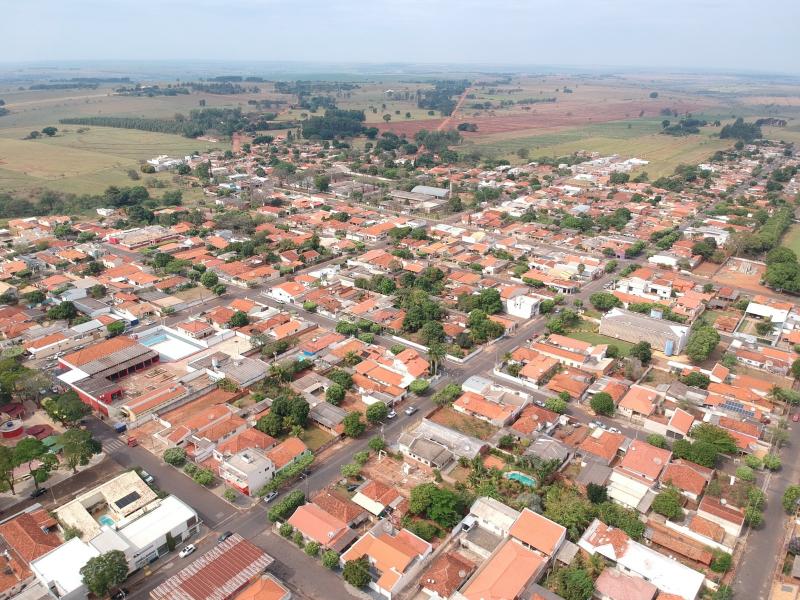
[
  {"x": 521, "y": 477},
  {"x": 106, "y": 520}
]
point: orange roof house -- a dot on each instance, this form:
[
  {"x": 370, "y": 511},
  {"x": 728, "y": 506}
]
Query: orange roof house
[
  {"x": 538, "y": 532},
  {"x": 506, "y": 574},
  {"x": 317, "y": 525},
  {"x": 391, "y": 554}
]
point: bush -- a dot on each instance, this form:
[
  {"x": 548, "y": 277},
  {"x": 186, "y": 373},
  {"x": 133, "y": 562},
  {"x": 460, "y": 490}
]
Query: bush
[
  {"x": 427, "y": 531},
  {"x": 298, "y": 539},
  {"x": 772, "y": 462},
  {"x": 745, "y": 473},
  {"x": 350, "y": 470},
  {"x": 287, "y": 474},
  {"x": 174, "y": 456},
  {"x": 203, "y": 477},
  {"x": 419, "y": 386},
  {"x": 722, "y": 562},
  {"x": 557, "y": 405},
  {"x": 353, "y": 425},
  {"x": 286, "y": 530},
  {"x": 752, "y": 461},
  {"x": 312, "y": 548},
  {"x": 447, "y": 395},
  {"x": 376, "y": 444},
  {"x": 229, "y": 495},
  {"x": 361, "y": 458},
  {"x": 597, "y": 494},
  {"x": 657, "y": 440},
  {"x": 286, "y": 507},
  {"x": 330, "y": 559},
  {"x": 397, "y": 348}
]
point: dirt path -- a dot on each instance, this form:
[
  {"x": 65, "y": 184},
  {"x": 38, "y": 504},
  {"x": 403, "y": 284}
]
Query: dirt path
[{"x": 446, "y": 122}]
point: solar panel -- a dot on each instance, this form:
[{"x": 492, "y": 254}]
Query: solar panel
[{"x": 127, "y": 499}]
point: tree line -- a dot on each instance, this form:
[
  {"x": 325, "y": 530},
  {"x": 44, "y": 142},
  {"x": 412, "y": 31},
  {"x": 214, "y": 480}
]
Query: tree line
[{"x": 223, "y": 120}]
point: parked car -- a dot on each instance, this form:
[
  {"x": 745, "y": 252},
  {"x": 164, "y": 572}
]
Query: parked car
[
  {"x": 187, "y": 550},
  {"x": 270, "y": 497},
  {"x": 352, "y": 487},
  {"x": 224, "y": 536},
  {"x": 391, "y": 414},
  {"x": 614, "y": 430},
  {"x": 146, "y": 477},
  {"x": 411, "y": 410},
  {"x": 38, "y": 492},
  {"x": 120, "y": 594}
]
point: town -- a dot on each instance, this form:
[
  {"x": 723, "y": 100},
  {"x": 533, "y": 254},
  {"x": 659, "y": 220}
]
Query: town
[{"x": 427, "y": 321}]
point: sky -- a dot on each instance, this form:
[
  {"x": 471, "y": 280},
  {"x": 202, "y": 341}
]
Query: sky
[{"x": 729, "y": 35}]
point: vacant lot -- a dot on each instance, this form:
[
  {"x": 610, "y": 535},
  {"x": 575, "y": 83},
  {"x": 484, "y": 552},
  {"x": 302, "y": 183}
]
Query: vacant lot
[
  {"x": 464, "y": 423},
  {"x": 743, "y": 274},
  {"x": 596, "y": 338}
]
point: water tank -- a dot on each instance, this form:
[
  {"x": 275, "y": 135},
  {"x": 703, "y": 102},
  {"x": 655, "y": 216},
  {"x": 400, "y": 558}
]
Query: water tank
[
  {"x": 669, "y": 348},
  {"x": 656, "y": 314},
  {"x": 11, "y": 429}
]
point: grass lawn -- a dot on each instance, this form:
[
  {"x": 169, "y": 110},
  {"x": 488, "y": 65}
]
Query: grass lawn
[
  {"x": 464, "y": 423},
  {"x": 596, "y": 338},
  {"x": 792, "y": 239},
  {"x": 314, "y": 437}
]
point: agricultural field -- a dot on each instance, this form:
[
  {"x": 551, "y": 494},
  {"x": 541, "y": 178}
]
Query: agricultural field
[{"x": 792, "y": 239}]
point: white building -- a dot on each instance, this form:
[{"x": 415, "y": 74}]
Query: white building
[
  {"x": 247, "y": 471},
  {"x": 122, "y": 514}
]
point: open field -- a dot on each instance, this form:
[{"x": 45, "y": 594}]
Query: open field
[
  {"x": 596, "y": 338},
  {"x": 85, "y": 162},
  {"x": 792, "y": 239},
  {"x": 741, "y": 273},
  {"x": 464, "y": 423}
]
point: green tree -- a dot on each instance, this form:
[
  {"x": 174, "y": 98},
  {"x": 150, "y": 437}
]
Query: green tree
[
  {"x": 574, "y": 582},
  {"x": 668, "y": 503},
  {"x": 350, "y": 470},
  {"x": 30, "y": 450},
  {"x": 702, "y": 341},
  {"x": 103, "y": 573},
  {"x": 238, "y": 319},
  {"x": 597, "y": 494},
  {"x": 78, "y": 447},
  {"x": 642, "y": 351},
  {"x": 419, "y": 386},
  {"x": 796, "y": 369},
  {"x": 376, "y": 443},
  {"x": 791, "y": 496},
  {"x": 722, "y": 562},
  {"x": 557, "y": 405},
  {"x": 341, "y": 377},
  {"x": 209, "y": 279},
  {"x": 718, "y": 437},
  {"x": 377, "y": 412},
  {"x": 602, "y": 404},
  {"x": 65, "y": 310},
  {"x": 335, "y": 394},
  {"x": 115, "y": 328},
  {"x": 330, "y": 559},
  {"x": 8, "y": 462},
  {"x": 657, "y": 440},
  {"x": 174, "y": 456},
  {"x": 66, "y": 408},
  {"x": 357, "y": 571},
  {"x": 353, "y": 425},
  {"x": 604, "y": 301}
]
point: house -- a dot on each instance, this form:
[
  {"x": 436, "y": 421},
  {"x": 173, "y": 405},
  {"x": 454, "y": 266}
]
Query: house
[
  {"x": 613, "y": 584},
  {"x": 435, "y": 446},
  {"x": 25, "y": 537},
  {"x": 376, "y": 497},
  {"x": 287, "y": 453},
  {"x": 226, "y": 572},
  {"x": 316, "y": 525},
  {"x": 395, "y": 555},
  {"x": 122, "y": 514},
  {"x": 509, "y": 570},
  {"x": 266, "y": 587},
  {"x": 247, "y": 471},
  {"x": 538, "y": 533},
  {"x": 602, "y": 446},
  {"x": 633, "y": 479},
  {"x": 639, "y": 403},
  {"x": 496, "y": 413},
  {"x": 730, "y": 518},
  {"x": 289, "y": 292},
  {"x": 638, "y": 560},
  {"x": 665, "y": 336},
  {"x": 445, "y": 575},
  {"x": 687, "y": 477}
]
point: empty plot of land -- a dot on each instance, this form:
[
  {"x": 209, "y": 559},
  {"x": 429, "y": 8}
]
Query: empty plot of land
[
  {"x": 743, "y": 274},
  {"x": 464, "y": 423}
]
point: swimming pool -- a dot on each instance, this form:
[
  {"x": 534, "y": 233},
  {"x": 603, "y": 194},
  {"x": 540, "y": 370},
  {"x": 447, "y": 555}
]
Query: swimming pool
[
  {"x": 521, "y": 477},
  {"x": 170, "y": 347},
  {"x": 106, "y": 520}
]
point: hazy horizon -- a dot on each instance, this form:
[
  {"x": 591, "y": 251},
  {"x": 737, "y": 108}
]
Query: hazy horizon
[{"x": 713, "y": 35}]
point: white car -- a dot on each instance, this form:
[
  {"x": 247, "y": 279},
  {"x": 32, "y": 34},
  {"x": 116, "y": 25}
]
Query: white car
[
  {"x": 411, "y": 410},
  {"x": 391, "y": 415},
  {"x": 187, "y": 550},
  {"x": 270, "y": 497},
  {"x": 614, "y": 430}
]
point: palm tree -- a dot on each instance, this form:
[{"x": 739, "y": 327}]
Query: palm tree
[{"x": 436, "y": 352}]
